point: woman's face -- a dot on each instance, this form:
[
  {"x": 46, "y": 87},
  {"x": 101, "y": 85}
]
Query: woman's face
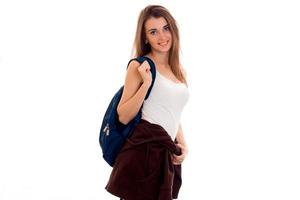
[{"x": 158, "y": 34}]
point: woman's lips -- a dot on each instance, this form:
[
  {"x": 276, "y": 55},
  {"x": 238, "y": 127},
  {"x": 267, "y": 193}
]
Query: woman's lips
[{"x": 163, "y": 43}]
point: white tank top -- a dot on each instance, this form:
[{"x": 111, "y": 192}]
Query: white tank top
[{"x": 165, "y": 104}]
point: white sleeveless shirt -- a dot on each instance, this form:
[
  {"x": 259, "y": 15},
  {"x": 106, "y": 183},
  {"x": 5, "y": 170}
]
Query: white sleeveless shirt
[{"x": 165, "y": 104}]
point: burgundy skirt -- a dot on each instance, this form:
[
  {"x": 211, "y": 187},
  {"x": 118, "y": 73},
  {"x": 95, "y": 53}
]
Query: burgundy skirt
[{"x": 143, "y": 169}]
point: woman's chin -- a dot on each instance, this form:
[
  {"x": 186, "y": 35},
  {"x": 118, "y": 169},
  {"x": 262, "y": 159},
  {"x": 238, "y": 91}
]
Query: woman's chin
[{"x": 163, "y": 49}]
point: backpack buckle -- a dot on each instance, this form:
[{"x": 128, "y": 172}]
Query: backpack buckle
[{"x": 106, "y": 129}]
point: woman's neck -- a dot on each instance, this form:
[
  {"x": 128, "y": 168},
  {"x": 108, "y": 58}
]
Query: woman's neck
[{"x": 160, "y": 59}]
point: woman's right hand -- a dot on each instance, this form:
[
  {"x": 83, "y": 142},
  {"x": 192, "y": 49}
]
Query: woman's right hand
[{"x": 144, "y": 70}]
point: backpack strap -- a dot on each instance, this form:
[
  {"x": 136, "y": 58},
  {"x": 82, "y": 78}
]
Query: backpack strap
[{"x": 141, "y": 59}]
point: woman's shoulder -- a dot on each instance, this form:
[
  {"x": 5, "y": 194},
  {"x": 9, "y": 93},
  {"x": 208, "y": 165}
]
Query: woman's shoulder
[{"x": 133, "y": 65}]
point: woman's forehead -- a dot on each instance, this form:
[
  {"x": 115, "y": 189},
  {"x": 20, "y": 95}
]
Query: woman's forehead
[{"x": 155, "y": 23}]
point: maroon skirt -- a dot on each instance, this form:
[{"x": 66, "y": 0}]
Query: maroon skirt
[{"x": 143, "y": 169}]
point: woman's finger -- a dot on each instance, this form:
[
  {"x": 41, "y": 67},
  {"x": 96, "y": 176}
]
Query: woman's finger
[
  {"x": 180, "y": 146},
  {"x": 179, "y": 159},
  {"x": 183, "y": 148}
]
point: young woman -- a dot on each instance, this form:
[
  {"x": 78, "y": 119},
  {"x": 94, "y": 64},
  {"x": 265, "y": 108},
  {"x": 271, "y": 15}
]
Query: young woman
[{"x": 149, "y": 164}]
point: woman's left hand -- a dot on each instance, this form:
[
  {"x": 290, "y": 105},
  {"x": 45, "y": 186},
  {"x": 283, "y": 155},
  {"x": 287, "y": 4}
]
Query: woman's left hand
[{"x": 177, "y": 160}]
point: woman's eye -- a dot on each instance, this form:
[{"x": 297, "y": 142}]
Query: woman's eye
[
  {"x": 152, "y": 32},
  {"x": 167, "y": 28}
]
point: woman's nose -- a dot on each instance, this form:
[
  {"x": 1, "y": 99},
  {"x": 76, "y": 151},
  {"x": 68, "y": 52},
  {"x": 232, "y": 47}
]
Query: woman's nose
[{"x": 161, "y": 35}]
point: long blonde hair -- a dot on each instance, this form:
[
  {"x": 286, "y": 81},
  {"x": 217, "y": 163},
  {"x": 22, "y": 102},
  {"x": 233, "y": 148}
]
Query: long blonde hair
[{"x": 140, "y": 48}]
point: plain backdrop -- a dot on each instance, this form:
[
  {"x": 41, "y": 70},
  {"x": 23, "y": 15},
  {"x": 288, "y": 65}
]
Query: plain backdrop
[{"x": 62, "y": 61}]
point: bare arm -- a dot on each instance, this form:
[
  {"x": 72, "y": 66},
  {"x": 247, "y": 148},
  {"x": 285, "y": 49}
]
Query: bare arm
[
  {"x": 180, "y": 137},
  {"x": 135, "y": 90},
  {"x": 177, "y": 160}
]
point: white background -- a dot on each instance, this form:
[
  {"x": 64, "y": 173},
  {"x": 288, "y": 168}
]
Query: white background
[{"x": 61, "y": 61}]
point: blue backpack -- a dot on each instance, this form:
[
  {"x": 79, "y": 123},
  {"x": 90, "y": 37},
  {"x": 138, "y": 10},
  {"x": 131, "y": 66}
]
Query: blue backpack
[{"x": 113, "y": 133}]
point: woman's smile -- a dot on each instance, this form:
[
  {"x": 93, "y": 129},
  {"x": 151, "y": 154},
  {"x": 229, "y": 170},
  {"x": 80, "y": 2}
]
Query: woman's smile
[{"x": 163, "y": 44}]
